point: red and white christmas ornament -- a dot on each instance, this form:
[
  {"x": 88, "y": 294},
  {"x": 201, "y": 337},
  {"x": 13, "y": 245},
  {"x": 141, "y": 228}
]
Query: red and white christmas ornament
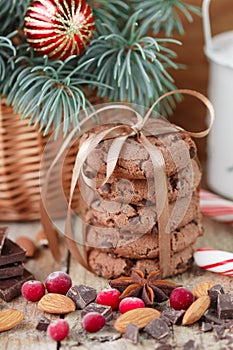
[
  {"x": 214, "y": 260},
  {"x": 59, "y": 28}
]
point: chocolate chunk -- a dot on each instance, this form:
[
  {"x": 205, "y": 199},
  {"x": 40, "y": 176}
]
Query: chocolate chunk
[
  {"x": 212, "y": 316},
  {"x": 131, "y": 333},
  {"x": 157, "y": 329},
  {"x": 106, "y": 311},
  {"x": 206, "y": 327},
  {"x": 82, "y": 295},
  {"x": 12, "y": 270},
  {"x": 43, "y": 323},
  {"x": 213, "y": 294},
  {"x": 11, "y": 288},
  {"x": 225, "y": 306},
  {"x": 173, "y": 316},
  {"x": 3, "y": 233},
  {"x": 11, "y": 253},
  {"x": 164, "y": 347},
  {"x": 189, "y": 345},
  {"x": 219, "y": 331}
]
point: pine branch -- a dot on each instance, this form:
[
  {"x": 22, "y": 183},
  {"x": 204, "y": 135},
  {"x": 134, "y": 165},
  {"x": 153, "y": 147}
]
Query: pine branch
[
  {"x": 7, "y": 50},
  {"x": 12, "y": 14},
  {"x": 108, "y": 12},
  {"x": 169, "y": 14},
  {"x": 49, "y": 92},
  {"x": 134, "y": 64}
]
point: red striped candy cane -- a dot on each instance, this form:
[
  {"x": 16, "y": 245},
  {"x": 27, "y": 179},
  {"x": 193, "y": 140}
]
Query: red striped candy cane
[
  {"x": 214, "y": 260},
  {"x": 216, "y": 207}
]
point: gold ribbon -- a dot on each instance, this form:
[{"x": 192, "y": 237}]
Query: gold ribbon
[{"x": 119, "y": 134}]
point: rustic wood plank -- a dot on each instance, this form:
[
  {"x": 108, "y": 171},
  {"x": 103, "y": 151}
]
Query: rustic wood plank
[{"x": 24, "y": 336}]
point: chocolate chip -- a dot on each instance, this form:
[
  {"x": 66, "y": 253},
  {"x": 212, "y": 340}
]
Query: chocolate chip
[
  {"x": 225, "y": 306},
  {"x": 42, "y": 324},
  {"x": 173, "y": 316},
  {"x": 192, "y": 152},
  {"x": 106, "y": 311},
  {"x": 212, "y": 316},
  {"x": 213, "y": 294},
  {"x": 189, "y": 345},
  {"x": 206, "y": 327},
  {"x": 131, "y": 333},
  {"x": 164, "y": 347},
  {"x": 219, "y": 331},
  {"x": 157, "y": 329},
  {"x": 106, "y": 187},
  {"x": 82, "y": 295}
]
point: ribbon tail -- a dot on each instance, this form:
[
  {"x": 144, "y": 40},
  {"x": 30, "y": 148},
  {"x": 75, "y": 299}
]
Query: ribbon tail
[
  {"x": 46, "y": 221},
  {"x": 162, "y": 208}
]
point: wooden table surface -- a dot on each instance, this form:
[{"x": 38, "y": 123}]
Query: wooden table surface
[{"x": 25, "y": 336}]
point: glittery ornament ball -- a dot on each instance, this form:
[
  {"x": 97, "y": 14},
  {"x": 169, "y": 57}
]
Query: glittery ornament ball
[{"x": 59, "y": 28}]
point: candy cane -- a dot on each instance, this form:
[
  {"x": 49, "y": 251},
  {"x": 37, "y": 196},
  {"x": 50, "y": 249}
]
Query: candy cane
[
  {"x": 214, "y": 260},
  {"x": 216, "y": 207}
]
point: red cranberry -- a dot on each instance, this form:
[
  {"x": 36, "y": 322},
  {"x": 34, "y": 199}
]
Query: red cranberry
[
  {"x": 181, "y": 298},
  {"x": 130, "y": 303},
  {"x": 58, "y": 282},
  {"x": 58, "y": 330},
  {"x": 109, "y": 297},
  {"x": 93, "y": 322},
  {"x": 33, "y": 290}
]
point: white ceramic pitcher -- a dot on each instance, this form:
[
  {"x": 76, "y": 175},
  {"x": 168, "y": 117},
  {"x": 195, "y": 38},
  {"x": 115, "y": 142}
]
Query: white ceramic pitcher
[{"x": 219, "y": 50}]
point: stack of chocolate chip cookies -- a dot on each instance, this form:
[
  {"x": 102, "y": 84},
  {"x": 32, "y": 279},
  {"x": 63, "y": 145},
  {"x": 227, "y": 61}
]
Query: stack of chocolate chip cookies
[{"x": 121, "y": 218}]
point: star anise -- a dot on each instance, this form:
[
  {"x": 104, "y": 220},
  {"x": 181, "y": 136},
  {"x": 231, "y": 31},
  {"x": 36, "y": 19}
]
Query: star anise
[{"x": 150, "y": 289}]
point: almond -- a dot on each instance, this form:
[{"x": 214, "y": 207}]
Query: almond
[
  {"x": 196, "y": 310},
  {"x": 56, "y": 304},
  {"x": 140, "y": 317},
  {"x": 41, "y": 238},
  {"x": 201, "y": 289},
  {"x": 10, "y": 318},
  {"x": 27, "y": 244}
]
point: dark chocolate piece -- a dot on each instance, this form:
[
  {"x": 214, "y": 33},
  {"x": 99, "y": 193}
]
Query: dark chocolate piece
[
  {"x": 189, "y": 345},
  {"x": 3, "y": 234},
  {"x": 106, "y": 311},
  {"x": 82, "y": 295},
  {"x": 212, "y": 316},
  {"x": 225, "y": 306},
  {"x": 11, "y": 287},
  {"x": 219, "y": 331},
  {"x": 11, "y": 253},
  {"x": 42, "y": 324},
  {"x": 213, "y": 294},
  {"x": 157, "y": 329},
  {"x": 173, "y": 316},
  {"x": 164, "y": 347},
  {"x": 131, "y": 333},
  {"x": 12, "y": 270},
  {"x": 206, "y": 327}
]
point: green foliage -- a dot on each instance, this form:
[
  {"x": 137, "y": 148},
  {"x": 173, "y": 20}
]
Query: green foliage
[
  {"x": 6, "y": 51},
  {"x": 119, "y": 58},
  {"x": 108, "y": 12},
  {"x": 169, "y": 14},
  {"x": 123, "y": 62},
  {"x": 12, "y": 14},
  {"x": 49, "y": 92}
]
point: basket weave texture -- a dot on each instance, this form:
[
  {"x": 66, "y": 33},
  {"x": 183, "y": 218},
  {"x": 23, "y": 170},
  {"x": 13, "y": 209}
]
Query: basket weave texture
[{"x": 21, "y": 149}]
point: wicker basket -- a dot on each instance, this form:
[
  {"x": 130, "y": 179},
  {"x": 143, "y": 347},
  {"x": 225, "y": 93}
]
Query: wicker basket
[{"x": 21, "y": 148}]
